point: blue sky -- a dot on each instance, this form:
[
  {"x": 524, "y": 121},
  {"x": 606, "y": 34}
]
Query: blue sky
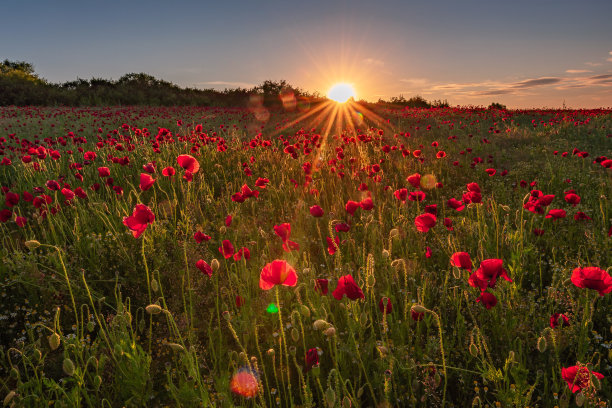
[{"x": 524, "y": 54}]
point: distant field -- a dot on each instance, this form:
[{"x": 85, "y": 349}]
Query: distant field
[{"x": 324, "y": 257}]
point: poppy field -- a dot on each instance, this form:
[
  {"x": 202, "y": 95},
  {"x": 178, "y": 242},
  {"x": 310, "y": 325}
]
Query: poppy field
[{"x": 443, "y": 257}]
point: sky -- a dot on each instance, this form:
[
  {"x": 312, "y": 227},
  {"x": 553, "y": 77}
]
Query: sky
[{"x": 524, "y": 54}]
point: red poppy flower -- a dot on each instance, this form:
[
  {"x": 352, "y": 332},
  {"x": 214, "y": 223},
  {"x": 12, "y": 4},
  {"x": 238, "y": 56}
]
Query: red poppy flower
[
  {"x": 581, "y": 216},
  {"x": 556, "y": 214},
  {"x": 321, "y": 286},
  {"x": 473, "y": 187},
  {"x": 461, "y": 260},
  {"x": 401, "y": 194},
  {"x": 432, "y": 209},
  {"x": 545, "y": 200},
  {"x": 103, "y": 171},
  {"x": 21, "y": 221},
  {"x": 417, "y": 316},
  {"x": 386, "y": 309},
  {"x": 67, "y": 193},
  {"x": 11, "y": 199},
  {"x": 347, "y": 286},
  {"x": 331, "y": 248},
  {"x": 366, "y": 204},
  {"x": 538, "y": 232},
  {"x": 455, "y": 204},
  {"x": 188, "y": 176},
  {"x": 416, "y": 196},
  {"x": 592, "y": 277},
  {"x": 441, "y": 154},
  {"x": 239, "y": 301},
  {"x": 491, "y": 172},
  {"x": 228, "y": 220},
  {"x": 342, "y": 227},
  {"x": 558, "y": 319},
  {"x": 578, "y": 377},
  {"x": 261, "y": 182},
  {"x": 414, "y": 180},
  {"x": 424, "y": 222},
  {"x": 5, "y": 215},
  {"x": 80, "y": 192},
  {"x": 351, "y": 206},
  {"x": 168, "y": 171},
  {"x": 244, "y": 251},
  {"x": 448, "y": 223},
  {"x": 200, "y": 237},
  {"x": 316, "y": 211},
  {"x": 572, "y": 198},
  {"x": 188, "y": 163},
  {"x": 428, "y": 252},
  {"x": 146, "y": 181},
  {"x": 488, "y": 299},
  {"x": 226, "y": 249},
  {"x": 204, "y": 267},
  {"x": 278, "y": 272},
  {"x": 141, "y": 217},
  {"x": 487, "y": 274},
  {"x": 311, "y": 359},
  {"x": 284, "y": 232}
]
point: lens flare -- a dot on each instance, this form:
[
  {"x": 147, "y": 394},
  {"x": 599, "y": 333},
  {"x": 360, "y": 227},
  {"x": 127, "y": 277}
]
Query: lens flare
[
  {"x": 244, "y": 383},
  {"x": 341, "y": 92}
]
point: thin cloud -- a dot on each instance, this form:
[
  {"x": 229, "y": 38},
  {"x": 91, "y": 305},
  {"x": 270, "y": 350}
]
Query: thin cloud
[
  {"x": 604, "y": 76},
  {"x": 375, "y": 62},
  {"x": 578, "y": 71},
  {"x": 530, "y": 83},
  {"x": 593, "y": 64},
  {"x": 494, "y": 92}
]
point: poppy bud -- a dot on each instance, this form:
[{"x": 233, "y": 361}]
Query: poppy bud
[
  {"x": 9, "y": 397},
  {"x": 385, "y": 253},
  {"x": 542, "y": 344},
  {"x": 580, "y": 398},
  {"x": 393, "y": 233},
  {"x": 97, "y": 381},
  {"x": 154, "y": 285},
  {"x": 346, "y": 402},
  {"x": 270, "y": 352},
  {"x": 175, "y": 346},
  {"x": 295, "y": 335},
  {"x": 476, "y": 402},
  {"x": 292, "y": 350},
  {"x": 153, "y": 309},
  {"x": 473, "y": 350},
  {"x": 305, "y": 311},
  {"x": 330, "y": 332},
  {"x": 320, "y": 324},
  {"x": 363, "y": 319},
  {"x": 32, "y": 244},
  {"x": 370, "y": 281},
  {"x": 330, "y": 397},
  {"x": 54, "y": 341},
  {"x": 90, "y": 326},
  {"x": 596, "y": 382},
  {"x": 418, "y": 309},
  {"x": 68, "y": 367},
  {"x": 226, "y": 315},
  {"x": 214, "y": 264}
]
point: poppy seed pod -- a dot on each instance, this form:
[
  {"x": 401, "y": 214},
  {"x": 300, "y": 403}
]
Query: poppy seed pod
[
  {"x": 214, "y": 264},
  {"x": 320, "y": 324},
  {"x": 154, "y": 285}
]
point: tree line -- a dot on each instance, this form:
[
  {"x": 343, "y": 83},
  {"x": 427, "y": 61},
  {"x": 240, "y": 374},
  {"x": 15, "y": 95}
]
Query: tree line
[{"x": 20, "y": 86}]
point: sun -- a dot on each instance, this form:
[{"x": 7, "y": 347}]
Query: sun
[{"x": 341, "y": 92}]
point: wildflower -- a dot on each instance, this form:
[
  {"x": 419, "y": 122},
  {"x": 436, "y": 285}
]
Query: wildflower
[
  {"x": 204, "y": 267},
  {"x": 284, "y": 232},
  {"x": 278, "y": 272},
  {"x": 461, "y": 260},
  {"x": 578, "y": 377},
  {"x": 424, "y": 222},
  {"x": 347, "y": 286},
  {"x": 146, "y": 181},
  {"x": 226, "y": 249},
  {"x": 311, "y": 359},
  {"x": 141, "y": 217},
  {"x": 488, "y": 299},
  {"x": 316, "y": 211},
  {"x": 321, "y": 286},
  {"x": 189, "y": 163},
  {"x": 558, "y": 319},
  {"x": 592, "y": 277}
]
